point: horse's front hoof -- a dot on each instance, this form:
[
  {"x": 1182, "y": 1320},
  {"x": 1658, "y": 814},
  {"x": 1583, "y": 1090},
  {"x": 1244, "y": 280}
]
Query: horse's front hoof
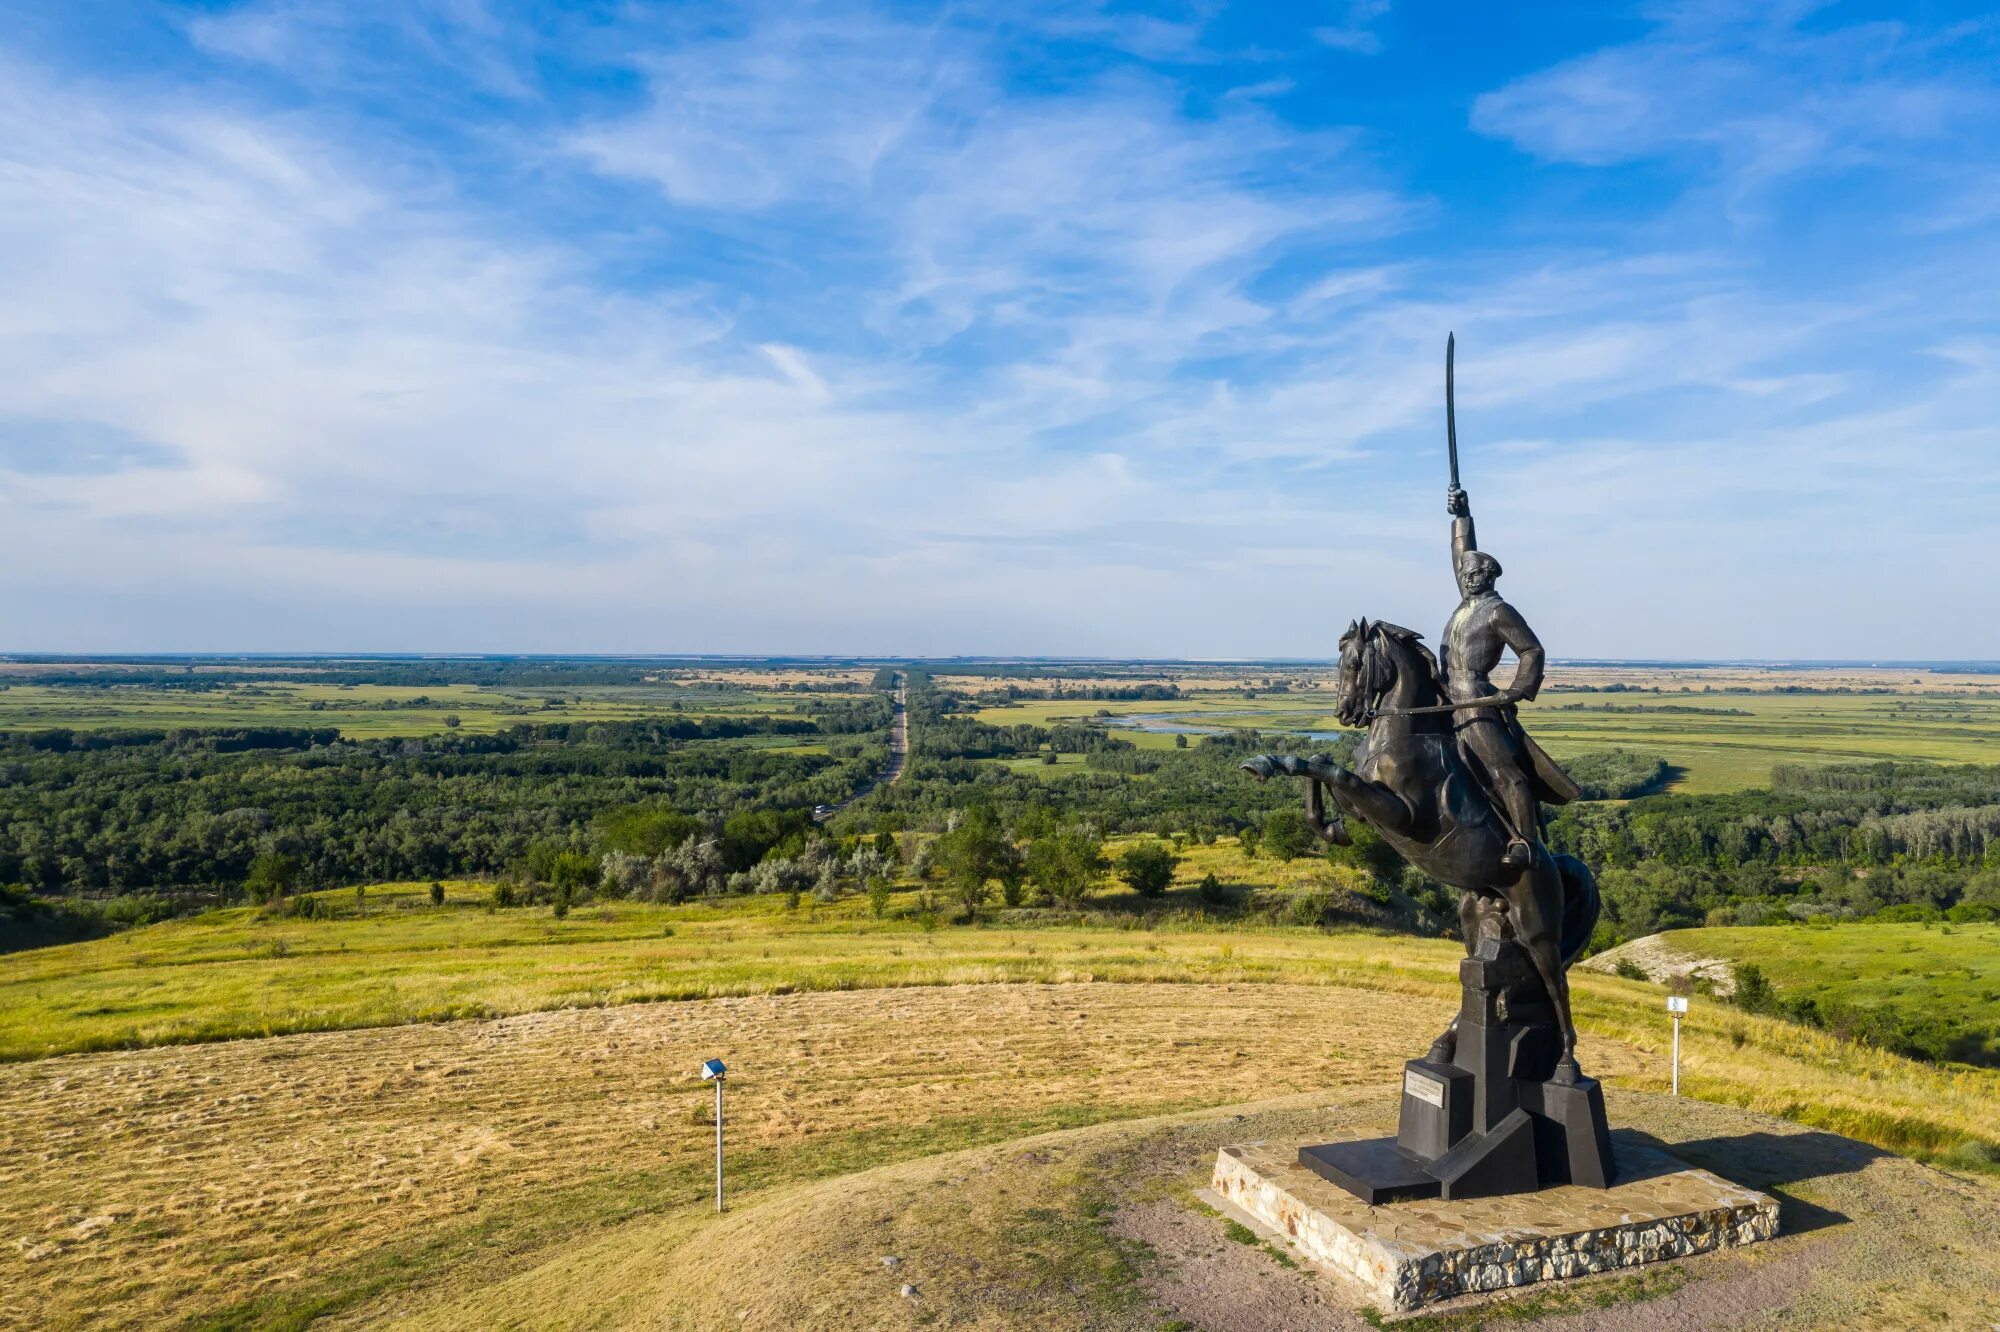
[
  {"x": 1567, "y": 1074},
  {"x": 1260, "y": 767}
]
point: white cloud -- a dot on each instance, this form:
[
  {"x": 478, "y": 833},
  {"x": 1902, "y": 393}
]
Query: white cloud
[{"x": 828, "y": 336}]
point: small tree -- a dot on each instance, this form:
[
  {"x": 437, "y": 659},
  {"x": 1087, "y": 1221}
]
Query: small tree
[
  {"x": 1065, "y": 862},
  {"x": 885, "y": 844},
  {"x": 437, "y": 894},
  {"x": 271, "y": 876},
  {"x": 1249, "y": 839},
  {"x": 1210, "y": 891},
  {"x": 573, "y": 875},
  {"x": 360, "y": 900},
  {"x": 878, "y": 897},
  {"x": 451, "y": 721},
  {"x": 1286, "y": 834},
  {"x": 563, "y": 890},
  {"x": 970, "y": 856},
  {"x": 1148, "y": 868}
]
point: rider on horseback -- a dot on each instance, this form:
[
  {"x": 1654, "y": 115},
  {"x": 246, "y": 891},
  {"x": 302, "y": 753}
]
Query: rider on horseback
[{"x": 1515, "y": 771}]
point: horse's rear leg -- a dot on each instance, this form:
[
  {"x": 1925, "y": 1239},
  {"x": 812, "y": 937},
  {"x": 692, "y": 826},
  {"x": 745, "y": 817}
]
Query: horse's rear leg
[{"x": 1538, "y": 931}]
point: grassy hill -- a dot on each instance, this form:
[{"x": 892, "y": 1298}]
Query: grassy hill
[
  {"x": 1938, "y": 978},
  {"x": 380, "y": 1159}
]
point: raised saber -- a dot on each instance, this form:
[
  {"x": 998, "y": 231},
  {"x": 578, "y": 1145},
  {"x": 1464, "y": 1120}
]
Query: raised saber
[
  {"x": 1450, "y": 412},
  {"x": 1451, "y": 441}
]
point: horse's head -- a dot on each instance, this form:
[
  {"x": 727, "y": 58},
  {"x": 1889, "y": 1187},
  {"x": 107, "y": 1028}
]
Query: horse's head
[
  {"x": 1373, "y": 658},
  {"x": 1360, "y": 669}
]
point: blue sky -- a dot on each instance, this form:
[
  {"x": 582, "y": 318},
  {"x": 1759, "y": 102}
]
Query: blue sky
[{"x": 1072, "y": 328}]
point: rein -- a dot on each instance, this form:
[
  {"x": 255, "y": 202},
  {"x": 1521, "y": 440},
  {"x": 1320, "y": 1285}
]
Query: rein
[{"x": 1372, "y": 679}]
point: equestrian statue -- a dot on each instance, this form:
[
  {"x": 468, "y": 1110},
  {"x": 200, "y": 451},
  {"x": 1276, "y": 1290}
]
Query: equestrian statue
[{"x": 1448, "y": 777}]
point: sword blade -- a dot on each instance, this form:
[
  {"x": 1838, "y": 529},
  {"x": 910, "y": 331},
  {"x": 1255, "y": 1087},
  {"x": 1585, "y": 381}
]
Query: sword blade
[{"x": 1450, "y": 409}]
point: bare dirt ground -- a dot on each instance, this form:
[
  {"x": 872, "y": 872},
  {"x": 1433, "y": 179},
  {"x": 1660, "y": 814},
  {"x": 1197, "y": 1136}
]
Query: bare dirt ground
[
  {"x": 1098, "y": 1229},
  {"x": 143, "y": 1188},
  {"x": 1663, "y": 960}
]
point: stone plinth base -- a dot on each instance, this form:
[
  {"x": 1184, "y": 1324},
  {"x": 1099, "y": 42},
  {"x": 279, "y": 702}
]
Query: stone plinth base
[{"x": 1409, "y": 1254}]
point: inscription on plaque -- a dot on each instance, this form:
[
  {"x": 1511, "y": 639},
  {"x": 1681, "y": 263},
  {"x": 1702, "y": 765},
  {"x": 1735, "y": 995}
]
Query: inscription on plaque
[{"x": 1428, "y": 1090}]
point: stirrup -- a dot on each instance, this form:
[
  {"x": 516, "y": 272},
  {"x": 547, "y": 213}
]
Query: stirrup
[{"x": 1518, "y": 855}]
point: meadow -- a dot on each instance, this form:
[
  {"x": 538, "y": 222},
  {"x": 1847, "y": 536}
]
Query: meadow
[
  {"x": 392, "y": 1111},
  {"x": 382, "y": 1161},
  {"x": 368, "y": 711},
  {"x": 1940, "y": 972},
  {"x": 1717, "y": 737}
]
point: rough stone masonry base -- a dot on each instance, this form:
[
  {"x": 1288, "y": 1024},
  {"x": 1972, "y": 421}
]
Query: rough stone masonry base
[{"x": 1409, "y": 1254}]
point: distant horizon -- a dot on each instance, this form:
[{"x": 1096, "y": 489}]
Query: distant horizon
[{"x": 1940, "y": 665}]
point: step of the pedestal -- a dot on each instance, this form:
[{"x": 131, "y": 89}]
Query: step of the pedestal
[{"x": 1409, "y": 1254}]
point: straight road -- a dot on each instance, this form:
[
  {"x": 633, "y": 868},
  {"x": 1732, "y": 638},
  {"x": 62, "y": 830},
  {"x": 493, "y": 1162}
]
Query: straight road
[{"x": 899, "y": 752}]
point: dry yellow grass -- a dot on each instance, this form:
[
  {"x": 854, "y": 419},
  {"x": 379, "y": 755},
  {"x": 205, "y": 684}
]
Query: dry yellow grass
[
  {"x": 142, "y": 1188},
  {"x": 1094, "y": 1228}
]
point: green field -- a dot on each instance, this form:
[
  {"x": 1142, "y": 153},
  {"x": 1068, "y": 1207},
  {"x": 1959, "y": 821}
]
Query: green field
[
  {"x": 388, "y": 1160},
  {"x": 366, "y": 711},
  {"x": 1722, "y": 741},
  {"x": 1936, "y": 969}
]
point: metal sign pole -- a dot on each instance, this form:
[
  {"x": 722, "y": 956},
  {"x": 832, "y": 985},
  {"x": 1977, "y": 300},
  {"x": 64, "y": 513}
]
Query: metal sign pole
[
  {"x": 1677, "y": 1004},
  {"x": 714, "y": 1071}
]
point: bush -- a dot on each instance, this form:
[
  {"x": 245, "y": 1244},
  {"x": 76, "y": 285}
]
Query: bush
[
  {"x": 1754, "y": 990},
  {"x": 1211, "y": 891},
  {"x": 1148, "y": 868},
  {"x": 437, "y": 894},
  {"x": 1908, "y": 913},
  {"x": 271, "y": 875},
  {"x": 1616, "y": 774},
  {"x": 1631, "y": 970},
  {"x": 1287, "y": 835}
]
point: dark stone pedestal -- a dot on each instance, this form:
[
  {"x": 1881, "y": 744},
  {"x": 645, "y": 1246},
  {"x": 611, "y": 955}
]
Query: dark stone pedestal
[{"x": 1489, "y": 1122}]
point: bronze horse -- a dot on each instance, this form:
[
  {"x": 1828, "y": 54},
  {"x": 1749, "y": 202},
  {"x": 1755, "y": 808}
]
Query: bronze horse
[{"x": 1411, "y": 783}]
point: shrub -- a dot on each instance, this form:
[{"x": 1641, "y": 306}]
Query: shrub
[
  {"x": 1754, "y": 990},
  {"x": 1631, "y": 970},
  {"x": 437, "y": 894},
  {"x": 1211, "y": 891},
  {"x": 1148, "y": 868},
  {"x": 1287, "y": 835}
]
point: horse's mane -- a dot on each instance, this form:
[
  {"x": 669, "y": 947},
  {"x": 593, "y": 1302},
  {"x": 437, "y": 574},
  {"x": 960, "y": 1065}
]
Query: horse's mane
[{"x": 1376, "y": 672}]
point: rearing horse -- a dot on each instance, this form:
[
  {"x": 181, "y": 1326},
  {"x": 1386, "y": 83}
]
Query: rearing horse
[{"x": 1410, "y": 783}]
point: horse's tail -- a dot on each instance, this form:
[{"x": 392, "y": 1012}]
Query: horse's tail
[{"x": 1581, "y": 905}]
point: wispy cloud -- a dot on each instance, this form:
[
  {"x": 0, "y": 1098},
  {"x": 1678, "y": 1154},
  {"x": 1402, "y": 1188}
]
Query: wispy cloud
[
  {"x": 1355, "y": 30},
  {"x": 845, "y": 328}
]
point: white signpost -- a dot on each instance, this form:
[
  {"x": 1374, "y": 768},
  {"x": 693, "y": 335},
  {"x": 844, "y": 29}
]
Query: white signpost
[
  {"x": 714, "y": 1071},
  {"x": 1677, "y": 1005}
]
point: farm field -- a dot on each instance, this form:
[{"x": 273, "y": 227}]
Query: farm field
[
  {"x": 370, "y": 1172},
  {"x": 1720, "y": 741},
  {"x": 365, "y": 711}
]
